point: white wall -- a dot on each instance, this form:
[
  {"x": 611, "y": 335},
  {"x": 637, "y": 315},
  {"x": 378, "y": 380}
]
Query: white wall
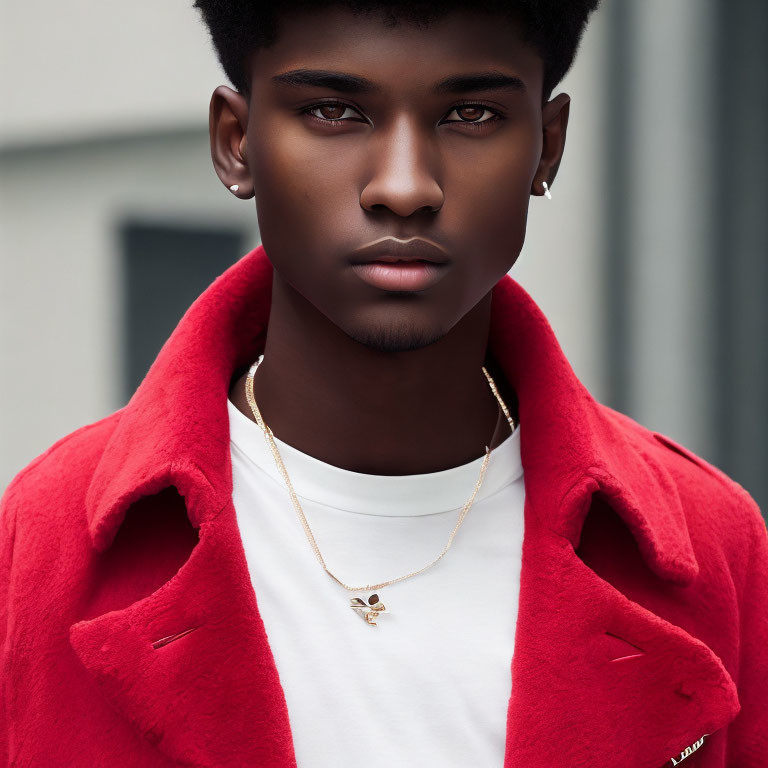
[
  {"x": 84, "y": 68},
  {"x": 562, "y": 261},
  {"x": 59, "y": 311}
]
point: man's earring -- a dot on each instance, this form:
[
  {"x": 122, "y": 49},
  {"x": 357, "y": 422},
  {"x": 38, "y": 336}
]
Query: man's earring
[
  {"x": 547, "y": 193},
  {"x": 235, "y": 187}
]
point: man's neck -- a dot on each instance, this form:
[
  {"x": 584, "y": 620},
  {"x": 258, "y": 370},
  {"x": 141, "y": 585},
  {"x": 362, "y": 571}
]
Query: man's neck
[{"x": 368, "y": 411}]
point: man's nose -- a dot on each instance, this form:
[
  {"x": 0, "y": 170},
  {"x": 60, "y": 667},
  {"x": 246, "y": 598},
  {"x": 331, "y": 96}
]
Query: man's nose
[{"x": 403, "y": 165}]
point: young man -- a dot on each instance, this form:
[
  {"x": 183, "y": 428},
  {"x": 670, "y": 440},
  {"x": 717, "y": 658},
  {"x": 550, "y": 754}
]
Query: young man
[{"x": 253, "y": 562}]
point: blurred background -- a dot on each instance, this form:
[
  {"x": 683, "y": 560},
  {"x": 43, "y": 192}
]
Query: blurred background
[{"x": 650, "y": 260}]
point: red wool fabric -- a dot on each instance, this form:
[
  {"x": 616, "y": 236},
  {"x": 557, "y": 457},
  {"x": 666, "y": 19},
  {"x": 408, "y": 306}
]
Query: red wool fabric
[{"x": 131, "y": 634}]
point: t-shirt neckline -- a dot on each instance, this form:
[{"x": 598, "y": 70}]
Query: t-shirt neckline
[{"x": 385, "y": 495}]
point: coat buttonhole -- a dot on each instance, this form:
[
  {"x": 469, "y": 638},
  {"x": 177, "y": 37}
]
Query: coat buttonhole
[{"x": 170, "y": 638}]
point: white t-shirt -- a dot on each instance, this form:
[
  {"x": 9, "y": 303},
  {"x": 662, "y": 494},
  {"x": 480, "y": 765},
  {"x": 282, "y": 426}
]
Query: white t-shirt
[{"x": 429, "y": 685}]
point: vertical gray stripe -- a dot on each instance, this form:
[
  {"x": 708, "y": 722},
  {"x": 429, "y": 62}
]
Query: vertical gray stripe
[
  {"x": 615, "y": 182},
  {"x": 741, "y": 244}
]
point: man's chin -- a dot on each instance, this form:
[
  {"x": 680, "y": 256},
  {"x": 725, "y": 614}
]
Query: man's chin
[{"x": 395, "y": 339}]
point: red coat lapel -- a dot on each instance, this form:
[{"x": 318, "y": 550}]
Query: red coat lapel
[{"x": 598, "y": 680}]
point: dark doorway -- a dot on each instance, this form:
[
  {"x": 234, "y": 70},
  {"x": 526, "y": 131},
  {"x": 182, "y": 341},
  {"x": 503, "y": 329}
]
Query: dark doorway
[{"x": 165, "y": 268}]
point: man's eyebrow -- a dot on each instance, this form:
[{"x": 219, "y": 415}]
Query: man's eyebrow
[
  {"x": 323, "y": 78},
  {"x": 347, "y": 83},
  {"x": 480, "y": 81}
]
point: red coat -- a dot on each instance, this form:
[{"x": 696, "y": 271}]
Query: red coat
[{"x": 135, "y": 639}]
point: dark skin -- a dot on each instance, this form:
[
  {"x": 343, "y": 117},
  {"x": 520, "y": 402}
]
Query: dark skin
[{"x": 372, "y": 380}]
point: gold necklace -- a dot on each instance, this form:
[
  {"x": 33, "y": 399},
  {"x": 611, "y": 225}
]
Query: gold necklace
[{"x": 371, "y": 608}]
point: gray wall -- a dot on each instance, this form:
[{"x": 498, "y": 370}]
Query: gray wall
[{"x": 686, "y": 238}]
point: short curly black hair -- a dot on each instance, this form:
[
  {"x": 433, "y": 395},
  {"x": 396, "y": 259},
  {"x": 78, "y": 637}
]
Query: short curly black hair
[{"x": 553, "y": 27}]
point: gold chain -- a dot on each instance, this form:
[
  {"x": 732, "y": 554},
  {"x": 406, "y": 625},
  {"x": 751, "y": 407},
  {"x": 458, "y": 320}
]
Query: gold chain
[{"x": 270, "y": 437}]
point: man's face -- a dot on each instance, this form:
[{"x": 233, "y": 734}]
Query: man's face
[{"x": 335, "y": 168}]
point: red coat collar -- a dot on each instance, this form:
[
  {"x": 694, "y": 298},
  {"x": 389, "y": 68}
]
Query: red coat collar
[
  {"x": 572, "y": 446},
  {"x": 174, "y": 431}
]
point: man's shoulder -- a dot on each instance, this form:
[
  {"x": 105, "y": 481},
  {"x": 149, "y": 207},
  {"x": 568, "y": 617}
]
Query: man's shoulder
[
  {"x": 66, "y": 467},
  {"x": 713, "y": 502}
]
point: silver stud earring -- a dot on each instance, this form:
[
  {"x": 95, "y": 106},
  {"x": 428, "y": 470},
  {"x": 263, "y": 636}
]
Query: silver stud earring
[
  {"x": 235, "y": 187},
  {"x": 547, "y": 193}
]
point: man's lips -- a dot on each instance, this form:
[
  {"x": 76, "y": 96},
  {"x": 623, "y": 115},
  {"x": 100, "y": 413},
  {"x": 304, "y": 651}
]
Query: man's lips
[
  {"x": 397, "y": 275},
  {"x": 400, "y": 265},
  {"x": 391, "y": 249},
  {"x": 398, "y": 260}
]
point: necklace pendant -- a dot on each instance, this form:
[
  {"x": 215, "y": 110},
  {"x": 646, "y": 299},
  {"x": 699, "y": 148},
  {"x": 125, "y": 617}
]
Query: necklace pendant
[{"x": 370, "y": 611}]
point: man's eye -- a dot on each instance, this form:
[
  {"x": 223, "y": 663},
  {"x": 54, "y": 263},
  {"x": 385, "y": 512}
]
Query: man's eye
[
  {"x": 336, "y": 113},
  {"x": 331, "y": 112},
  {"x": 470, "y": 113}
]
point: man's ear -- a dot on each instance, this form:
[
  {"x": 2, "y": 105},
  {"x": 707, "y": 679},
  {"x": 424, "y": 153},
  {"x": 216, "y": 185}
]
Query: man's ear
[
  {"x": 227, "y": 126},
  {"x": 554, "y": 120}
]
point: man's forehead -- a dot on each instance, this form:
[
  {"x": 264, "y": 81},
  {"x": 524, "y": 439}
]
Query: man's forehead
[{"x": 357, "y": 52}]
